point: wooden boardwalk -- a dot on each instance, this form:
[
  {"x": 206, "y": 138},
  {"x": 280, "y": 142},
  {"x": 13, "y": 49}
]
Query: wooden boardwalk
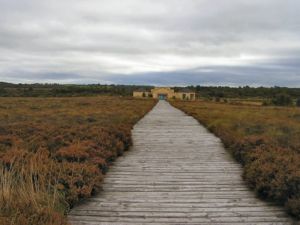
[{"x": 175, "y": 173}]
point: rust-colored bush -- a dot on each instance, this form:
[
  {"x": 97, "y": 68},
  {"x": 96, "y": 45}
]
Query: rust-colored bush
[
  {"x": 78, "y": 180},
  {"x": 73, "y": 153},
  {"x": 274, "y": 173}
]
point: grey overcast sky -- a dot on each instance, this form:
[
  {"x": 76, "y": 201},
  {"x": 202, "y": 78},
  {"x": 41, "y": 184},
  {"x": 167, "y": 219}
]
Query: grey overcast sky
[{"x": 158, "y": 42}]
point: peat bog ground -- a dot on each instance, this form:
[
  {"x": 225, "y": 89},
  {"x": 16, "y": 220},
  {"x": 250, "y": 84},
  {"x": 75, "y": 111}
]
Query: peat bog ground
[{"x": 54, "y": 152}]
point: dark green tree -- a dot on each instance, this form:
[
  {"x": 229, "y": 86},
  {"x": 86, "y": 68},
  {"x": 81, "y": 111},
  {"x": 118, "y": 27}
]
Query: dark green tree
[
  {"x": 282, "y": 100},
  {"x": 298, "y": 102}
]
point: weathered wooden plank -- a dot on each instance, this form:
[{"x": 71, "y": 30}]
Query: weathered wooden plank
[
  {"x": 190, "y": 223},
  {"x": 175, "y": 173},
  {"x": 229, "y": 210},
  {"x": 201, "y": 219}
]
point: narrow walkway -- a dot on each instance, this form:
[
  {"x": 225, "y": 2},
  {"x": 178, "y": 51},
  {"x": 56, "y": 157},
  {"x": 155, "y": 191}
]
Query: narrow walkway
[{"x": 176, "y": 173}]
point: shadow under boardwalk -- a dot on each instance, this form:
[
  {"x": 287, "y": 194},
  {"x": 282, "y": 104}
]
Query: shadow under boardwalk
[{"x": 175, "y": 173}]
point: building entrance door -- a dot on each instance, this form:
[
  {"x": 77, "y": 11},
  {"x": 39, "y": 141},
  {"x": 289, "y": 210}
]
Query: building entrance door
[{"x": 162, "y": 96}]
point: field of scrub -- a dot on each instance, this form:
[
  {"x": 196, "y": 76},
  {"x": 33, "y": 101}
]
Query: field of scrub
[{"x": 54, "y": 152}]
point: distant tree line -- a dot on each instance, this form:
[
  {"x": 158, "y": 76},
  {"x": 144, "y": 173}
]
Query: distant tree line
[
  {"x": 281, "y": 96},
  {"x": 244, "y": 92},
  {"x": 60, "y": 90},
  {"x": 273, "y": 95}
]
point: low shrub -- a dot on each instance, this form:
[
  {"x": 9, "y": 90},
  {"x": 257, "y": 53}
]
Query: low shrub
[
  {"x": 282, "y": 100},
  {"x": 298, "y": 102}
]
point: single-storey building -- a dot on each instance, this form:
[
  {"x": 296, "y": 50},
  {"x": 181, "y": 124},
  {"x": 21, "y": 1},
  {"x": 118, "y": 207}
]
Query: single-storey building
[
  {"x": 164, "y": 93},
  {"x": 142, "y": 93}
]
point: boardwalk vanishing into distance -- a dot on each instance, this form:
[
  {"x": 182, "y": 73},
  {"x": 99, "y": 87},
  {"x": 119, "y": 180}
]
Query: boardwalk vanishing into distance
[{"x": 176, "y": 173}]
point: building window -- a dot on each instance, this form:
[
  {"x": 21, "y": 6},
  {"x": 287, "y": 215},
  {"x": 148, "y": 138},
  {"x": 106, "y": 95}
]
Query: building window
[{"x": 183, "y": 96}]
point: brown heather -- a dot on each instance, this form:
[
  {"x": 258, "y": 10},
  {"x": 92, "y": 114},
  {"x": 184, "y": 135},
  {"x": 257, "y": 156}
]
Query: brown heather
[
  {"x": 266, "y": 140},
  {"x": 54, "y": 152}
]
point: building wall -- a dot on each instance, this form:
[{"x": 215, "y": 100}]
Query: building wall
[
  {"x": 178, "y": 95},
  {"x": 155, "y": 92},
  {"x": 186, "y": 95},
  {"x": 192, "y": 96},
  {"x": 166, "y": 91},
  {"x": 141, "y": 94}
]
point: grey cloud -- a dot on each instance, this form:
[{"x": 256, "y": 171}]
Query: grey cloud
[
  {"x": 232, "y": 76},
  {"x": 133, "y": 41}
]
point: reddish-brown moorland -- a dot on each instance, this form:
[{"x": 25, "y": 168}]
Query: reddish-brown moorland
[{"x": 54, "y": 152}]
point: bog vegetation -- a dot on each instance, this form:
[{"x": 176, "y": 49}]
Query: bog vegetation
[
  {"x": 265, "y": 139},
  {"x": 270, "y": 95},
  {"x": 54, "y": 152},
  {"x": 61, "y": 90}
]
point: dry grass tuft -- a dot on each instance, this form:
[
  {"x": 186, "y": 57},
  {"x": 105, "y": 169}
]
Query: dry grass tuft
[{"x": 27, "y": 195}]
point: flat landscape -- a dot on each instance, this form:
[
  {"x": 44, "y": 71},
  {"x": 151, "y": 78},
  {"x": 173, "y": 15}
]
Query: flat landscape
[
  {"x": 54, "y": 152},
  {"x": 176, "y": 173},
  {"x": 150, "y": 112}
]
